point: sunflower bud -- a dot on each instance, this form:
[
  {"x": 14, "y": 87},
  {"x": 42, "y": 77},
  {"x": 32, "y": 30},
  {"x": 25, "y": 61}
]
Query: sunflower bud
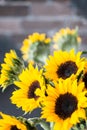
[
  {"x": 66, "y": 39},
  {"x": 36, "y": 48},
  {"x": 10, "y": 69}
]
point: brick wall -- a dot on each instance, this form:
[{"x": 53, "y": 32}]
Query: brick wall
[{"x": 19, "y": 19}]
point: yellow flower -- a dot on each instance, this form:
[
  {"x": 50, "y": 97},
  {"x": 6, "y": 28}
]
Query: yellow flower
[
  {"x": 63, "y": 65},
  {"x": 35, "y": 46},
  {"x": 62, "y": 33},
  {"x": 10, "y": 69},
  {"x": 66, "y": 39},
  {"x": 30, "y": 80},
  {"x": 11, "y": 123},
  {"x": 65, "y": 104}
]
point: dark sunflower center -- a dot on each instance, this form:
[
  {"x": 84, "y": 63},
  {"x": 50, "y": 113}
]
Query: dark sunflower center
[
  {"x": 85, "y": 79},
  {"x": 32, "y": 88},
  {"x": 66, "y": 104},
  {"x": 66, "y": 69},
  {"x": 14, "y": 127}
]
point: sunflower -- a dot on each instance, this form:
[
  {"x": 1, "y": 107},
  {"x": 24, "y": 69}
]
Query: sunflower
[
  {"x": 66, "y": 39},
  {"x": 63, "y": 65},
  {"x": 8, "y": 122},
  {"x": 30, "y": 80},
  {"x": 10, "y": 69},
  {"x": 36, "y": 47},
  {"x": 64, "y": 32},
  {"x": 65, "y": 104}
]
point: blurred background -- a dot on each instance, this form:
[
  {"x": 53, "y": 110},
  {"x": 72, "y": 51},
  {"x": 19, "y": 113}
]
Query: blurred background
[{"x": 19, "y": 18}]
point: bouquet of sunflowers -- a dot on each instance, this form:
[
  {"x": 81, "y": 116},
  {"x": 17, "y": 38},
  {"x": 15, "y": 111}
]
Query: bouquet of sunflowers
[{"x": 50, "y": 75}]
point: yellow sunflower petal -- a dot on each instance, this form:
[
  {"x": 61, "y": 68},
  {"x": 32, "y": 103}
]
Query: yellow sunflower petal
[
  {"x": 64, "y": 108},
  {"x": 63, "y": 65},
  {"x": 26, "y": 96}
]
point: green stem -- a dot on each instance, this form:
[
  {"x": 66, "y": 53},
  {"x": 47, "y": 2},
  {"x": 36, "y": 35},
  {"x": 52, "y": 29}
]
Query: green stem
[{"x": 41, "y": 122}]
